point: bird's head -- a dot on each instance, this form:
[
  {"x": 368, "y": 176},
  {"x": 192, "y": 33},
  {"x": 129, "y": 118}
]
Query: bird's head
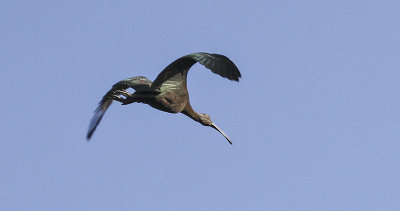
[{"x": 206, "y": 121}]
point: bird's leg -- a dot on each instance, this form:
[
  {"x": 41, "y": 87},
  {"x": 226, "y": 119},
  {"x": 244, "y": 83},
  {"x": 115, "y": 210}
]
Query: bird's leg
[{"x": 123, "y": 93}]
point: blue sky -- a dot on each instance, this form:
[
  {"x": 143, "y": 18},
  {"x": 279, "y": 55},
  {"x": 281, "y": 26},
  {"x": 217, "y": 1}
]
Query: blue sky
[{"x": 314, "y": 119}]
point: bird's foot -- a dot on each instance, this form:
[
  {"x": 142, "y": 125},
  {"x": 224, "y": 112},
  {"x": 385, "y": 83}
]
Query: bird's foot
[
  {"x": 117, "y": 98},
  {"x": 120, "y": 96}
]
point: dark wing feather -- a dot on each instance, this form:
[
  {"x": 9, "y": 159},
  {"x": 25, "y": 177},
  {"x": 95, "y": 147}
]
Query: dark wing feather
[
  {"x": 177, "y": 70},
  {"x": 218, "y": 64},
  {"x": 139, "y": 83}
]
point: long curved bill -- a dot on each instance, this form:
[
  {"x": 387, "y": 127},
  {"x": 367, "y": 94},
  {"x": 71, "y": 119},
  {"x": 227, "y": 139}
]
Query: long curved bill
[{"x": 222, "y": 132}]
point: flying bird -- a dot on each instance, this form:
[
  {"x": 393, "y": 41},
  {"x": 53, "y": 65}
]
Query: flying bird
[{"x": 168, "y": 92}]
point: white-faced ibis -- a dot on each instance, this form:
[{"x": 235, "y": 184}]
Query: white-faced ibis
[{"x": 168, "y": 92}]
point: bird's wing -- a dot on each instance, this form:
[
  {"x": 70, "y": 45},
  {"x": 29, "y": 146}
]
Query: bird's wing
[
  {"x": 174, "y": 75},
  {"x": 138, "y": 83}
]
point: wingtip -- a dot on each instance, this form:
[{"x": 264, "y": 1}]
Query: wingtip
[{"x": 89, "y": 135}]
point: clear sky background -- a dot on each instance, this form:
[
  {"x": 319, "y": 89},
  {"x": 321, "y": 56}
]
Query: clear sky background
[{"x": 314, "y": 119}]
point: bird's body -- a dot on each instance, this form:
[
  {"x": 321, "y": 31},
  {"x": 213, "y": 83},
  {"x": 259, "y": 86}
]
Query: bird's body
[
  {"x": 168, "y": 92},
  {"x": 167, "y": 101}
]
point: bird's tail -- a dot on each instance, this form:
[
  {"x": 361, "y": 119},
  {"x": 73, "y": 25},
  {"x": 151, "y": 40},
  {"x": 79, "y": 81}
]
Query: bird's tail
[{"x": 99, "y": 113}]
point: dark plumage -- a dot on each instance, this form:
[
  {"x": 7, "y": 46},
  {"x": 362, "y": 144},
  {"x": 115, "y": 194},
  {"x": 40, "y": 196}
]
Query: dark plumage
[{"x": 168, "y": 92}]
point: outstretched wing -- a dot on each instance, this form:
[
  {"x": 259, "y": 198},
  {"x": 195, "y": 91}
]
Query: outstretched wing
[
  {"x": 174, "y": 75},
  {"x": 138, "y": 83}
]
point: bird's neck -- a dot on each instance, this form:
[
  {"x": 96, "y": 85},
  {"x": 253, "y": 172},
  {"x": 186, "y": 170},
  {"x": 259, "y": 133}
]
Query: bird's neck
[{"x": 188, "y": 111}]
